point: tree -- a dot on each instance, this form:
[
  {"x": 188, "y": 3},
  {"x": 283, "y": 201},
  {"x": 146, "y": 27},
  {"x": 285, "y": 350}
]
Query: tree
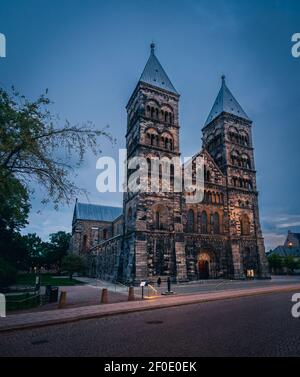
[
  {"x": 57, "y": 248},
  {"x": 275, "y": 262},
  {"x": 14, "y": 204},
  {"x": 291, "y": 263},
  {"x": 35, "y": 148},
  {"x": 8, "y": 273},
  {"x": 73, "y": 263},
  {"x": 14, "y": 208},
  {"x": 36, "y": 249}
]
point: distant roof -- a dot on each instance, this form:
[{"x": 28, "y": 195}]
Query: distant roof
[
  {"x": 155, "y": 75},
  {"x": 225, "y": 102},
  {"x": 296, "y": 235},
  {"x": 284, "y": 251},
  {"x": 84, "y": 211}
]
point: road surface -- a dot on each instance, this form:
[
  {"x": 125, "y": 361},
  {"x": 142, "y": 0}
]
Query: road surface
[{"x": 250, "y": 326}]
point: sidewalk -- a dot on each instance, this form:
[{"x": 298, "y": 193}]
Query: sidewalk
[{"x": 37, "y": 319}]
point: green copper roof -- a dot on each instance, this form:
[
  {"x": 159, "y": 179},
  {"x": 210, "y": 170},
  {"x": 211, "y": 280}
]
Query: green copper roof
[
  {"x": 225, "y": 102},
  {"x": 284, "y": 251},
  {"x": 155, "y": 75}
]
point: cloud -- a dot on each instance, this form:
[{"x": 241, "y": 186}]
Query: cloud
[
  {"x": 273, "y": 239},
  {"x": 49, "y": 221},
  {"x": 281, "y": 221}
]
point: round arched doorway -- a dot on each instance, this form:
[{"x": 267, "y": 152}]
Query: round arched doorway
[{"x": 206, "y": 265}]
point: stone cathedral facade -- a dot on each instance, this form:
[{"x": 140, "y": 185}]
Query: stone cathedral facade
[{"x": 161, "y": 234}]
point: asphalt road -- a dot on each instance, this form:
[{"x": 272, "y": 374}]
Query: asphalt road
[{"x": 250, "y": 326}]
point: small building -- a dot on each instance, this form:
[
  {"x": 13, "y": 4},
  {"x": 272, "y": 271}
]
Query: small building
[
  {"x": 290, "y": 249},
  {"x": 93, "y": 224},
  {"x": 292, "y": 239}
]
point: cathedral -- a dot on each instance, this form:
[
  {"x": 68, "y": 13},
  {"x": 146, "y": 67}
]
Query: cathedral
[{"x": 161, "y": 234}]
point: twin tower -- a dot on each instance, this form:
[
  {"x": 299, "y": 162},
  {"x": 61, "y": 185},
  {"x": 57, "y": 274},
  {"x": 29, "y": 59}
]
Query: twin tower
[{"x": 163, "y": 234}]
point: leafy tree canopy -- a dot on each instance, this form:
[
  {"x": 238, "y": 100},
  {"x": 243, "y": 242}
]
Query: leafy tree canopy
[
  {"x": 35, "y": 147},
  {"x": 73, "y": 263}
]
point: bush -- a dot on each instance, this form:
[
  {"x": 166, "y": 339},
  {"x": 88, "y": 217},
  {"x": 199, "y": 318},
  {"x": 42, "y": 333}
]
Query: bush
[
  {"x": 73, "y": 263},
  {"x": 8, "y": 274},
  {"x": 275, "y": 262}
]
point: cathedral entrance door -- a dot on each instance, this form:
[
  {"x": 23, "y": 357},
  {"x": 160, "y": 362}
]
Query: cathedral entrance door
[
  {"x": 206, "y": 265},
  {"x": 203, "y": 269}
]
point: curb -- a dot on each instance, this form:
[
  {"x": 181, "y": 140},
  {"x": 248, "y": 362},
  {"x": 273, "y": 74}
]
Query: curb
[{"x": 188, "y": 301}]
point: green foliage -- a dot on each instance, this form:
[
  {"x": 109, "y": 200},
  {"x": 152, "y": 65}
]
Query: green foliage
[
  {"x": 275, "y": 262},
  {"x": 73, "y": 263},
  {"x": 57, "y": 249},
  {"x": 35, "y": 147},
  {"x": 8, "y": 273},
  {"x": 22, "y": 301},
  {"x": 14, "y": 204},
  {"x": 291, "y": 263}
]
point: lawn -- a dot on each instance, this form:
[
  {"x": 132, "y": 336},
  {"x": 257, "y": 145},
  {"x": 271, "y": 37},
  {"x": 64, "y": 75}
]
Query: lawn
[
  {"x": 46, "y": 279},
  {"x": 21, "y": 301}
]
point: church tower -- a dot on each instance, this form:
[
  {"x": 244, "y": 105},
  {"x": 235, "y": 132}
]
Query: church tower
[
  {"x": 153, "y": 238},
  {"x": 227, "y": 136}
]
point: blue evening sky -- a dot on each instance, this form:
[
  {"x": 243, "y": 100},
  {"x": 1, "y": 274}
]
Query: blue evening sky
[{"x": 90, "y": 54}]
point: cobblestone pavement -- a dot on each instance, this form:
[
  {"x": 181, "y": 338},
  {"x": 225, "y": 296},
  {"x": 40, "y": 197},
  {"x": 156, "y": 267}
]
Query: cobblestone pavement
[{"x": 250, "y": 326}]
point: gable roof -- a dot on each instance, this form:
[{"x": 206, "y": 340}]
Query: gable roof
[
  {"x": 85, "y": 211},
  {"x": 296, "y": 235},
  {"x": 284, "y": 251},
  {"x": 155, "y": 75},
  {"x": 225, "y": 102}
]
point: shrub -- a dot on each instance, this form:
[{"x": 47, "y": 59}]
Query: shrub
[{"x": 8, "y": 274}]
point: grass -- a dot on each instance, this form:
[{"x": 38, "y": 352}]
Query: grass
[
  {"x": 46, "y": 279},
  {"x": 21, "y": 301}
]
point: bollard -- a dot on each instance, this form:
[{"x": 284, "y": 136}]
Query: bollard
[
  {"x": 104, "y": 296},
  {"x": 131, "y": 294},
  {"x": 62, "y": 299}
]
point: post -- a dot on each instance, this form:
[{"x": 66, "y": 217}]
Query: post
[
  {"x": 131, "y": 294},
  {"x": 104, "y": 296},
  {"x": 2, "y": 305},
  {"x": 62, "y": 299},
  {"x": 37, "y": 283},
  {"x": 169, "y": 284}
]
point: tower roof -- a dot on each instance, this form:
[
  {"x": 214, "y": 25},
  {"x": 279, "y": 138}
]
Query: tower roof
[
  {"x": 155, "y": 75},
  {"x": 225, "y": 102}
]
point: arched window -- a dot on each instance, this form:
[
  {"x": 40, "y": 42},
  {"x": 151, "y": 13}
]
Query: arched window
[
  {"x": 152, "y": 112},
  {"x": 204, "y": 222},
  {"x": 172, "y": 177},
  {"x": 157, "y": 220},
  {"x": 190, "y": 221},
  {"x": 216, "y": 223},
  {"x": 245, "y": 225},
  {"x": 149, "y": 172},
  {"x": 206, "y": 174}
]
